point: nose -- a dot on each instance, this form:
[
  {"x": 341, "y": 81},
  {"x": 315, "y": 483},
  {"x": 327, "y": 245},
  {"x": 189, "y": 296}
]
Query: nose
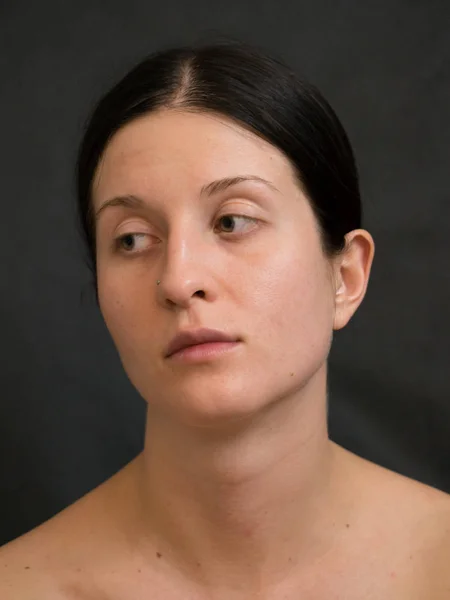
[{"x": 185, "y": 272}]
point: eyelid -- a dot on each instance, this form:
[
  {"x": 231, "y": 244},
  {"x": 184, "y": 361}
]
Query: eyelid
[{"x": 128, "y": 227}]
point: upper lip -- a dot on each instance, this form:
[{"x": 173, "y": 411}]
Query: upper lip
[{"x": 186, "y": 338}]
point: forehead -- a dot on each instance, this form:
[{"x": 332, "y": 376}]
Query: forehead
[{"x": 192, "y": 148}]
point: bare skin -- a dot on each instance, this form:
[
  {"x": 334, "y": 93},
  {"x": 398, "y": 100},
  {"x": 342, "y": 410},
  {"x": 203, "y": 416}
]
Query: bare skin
[
  {"x": 238, "y": 492},
  {"x": 396, "y": 547}
]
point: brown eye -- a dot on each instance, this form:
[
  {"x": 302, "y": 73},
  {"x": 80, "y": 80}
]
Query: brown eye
[
  {"x": 127, "y": 242},
  {"x": 229, "y": 222},
  {"x": 131, "y": 242}
]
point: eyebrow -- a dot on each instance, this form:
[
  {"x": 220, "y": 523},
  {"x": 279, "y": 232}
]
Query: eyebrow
[{"x": 219, "y": 185}]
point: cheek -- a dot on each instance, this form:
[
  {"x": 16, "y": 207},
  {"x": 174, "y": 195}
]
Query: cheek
[
  {"x": 124, "y": 304},
  {"x": 294, "y": 313}
]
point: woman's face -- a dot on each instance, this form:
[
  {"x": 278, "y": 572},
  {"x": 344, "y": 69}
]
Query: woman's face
[{"x": 263, "y": 274}]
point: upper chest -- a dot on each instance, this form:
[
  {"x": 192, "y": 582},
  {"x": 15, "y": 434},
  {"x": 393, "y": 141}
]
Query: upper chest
[{"x": 370, "y": 577}]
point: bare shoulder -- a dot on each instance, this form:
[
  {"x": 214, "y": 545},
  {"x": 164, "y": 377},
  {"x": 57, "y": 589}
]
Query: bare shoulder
[
  {"x": 414, "y": 524},
  {"x": 68, "y": 548},
  {"x": 37, "y": 564},
  {"x": 41, "y": 566},
  {"x": 23, "y": 572},
  {"x": 433, "y": 552},
  {"x": 427, "y": 545}
]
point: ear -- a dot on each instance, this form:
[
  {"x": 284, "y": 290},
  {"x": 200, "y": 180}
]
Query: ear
[{"x": 351, "y": 273}]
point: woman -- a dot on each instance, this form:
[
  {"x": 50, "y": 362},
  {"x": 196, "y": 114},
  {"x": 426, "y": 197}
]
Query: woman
[{"x": 219, "y": 199}]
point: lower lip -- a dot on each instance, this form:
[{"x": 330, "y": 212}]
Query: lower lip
[{"x": 202, "y": 352}]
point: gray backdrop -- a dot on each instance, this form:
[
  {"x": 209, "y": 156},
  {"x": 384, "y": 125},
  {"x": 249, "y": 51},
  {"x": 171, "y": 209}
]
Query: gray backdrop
[{"x": 69, "y": 418}]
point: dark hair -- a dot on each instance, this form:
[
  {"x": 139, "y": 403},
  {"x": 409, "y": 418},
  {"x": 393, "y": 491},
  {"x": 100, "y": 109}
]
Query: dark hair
[{"x": 257, "y": 91}]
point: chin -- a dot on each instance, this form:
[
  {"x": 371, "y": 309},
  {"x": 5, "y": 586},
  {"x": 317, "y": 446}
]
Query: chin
[
  {"x": 212, "y": 409},
  {"x": 216, "y": 417}
]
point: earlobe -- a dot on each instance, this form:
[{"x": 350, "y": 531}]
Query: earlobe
[
  {"x": 340, "y": 290},
  {"x": 339, "y": 308},
  {"x": 353, "y": 275}
]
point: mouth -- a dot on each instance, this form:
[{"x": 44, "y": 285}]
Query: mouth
[
  {"x": 205, "y": 351},
  {"x": 195, "y": 337}
]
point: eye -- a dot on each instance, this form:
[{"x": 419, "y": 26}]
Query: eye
[
  {"x": 230, "y": 220},
  {"x": 131, "y": 242}
]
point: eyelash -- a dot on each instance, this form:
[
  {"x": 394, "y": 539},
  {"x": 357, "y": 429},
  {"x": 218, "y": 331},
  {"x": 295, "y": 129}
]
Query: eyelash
[{"x": 118, "y": 241}]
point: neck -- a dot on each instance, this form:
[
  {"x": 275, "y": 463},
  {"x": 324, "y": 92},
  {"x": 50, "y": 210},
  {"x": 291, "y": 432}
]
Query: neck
[{"x": 243, "y": 508}]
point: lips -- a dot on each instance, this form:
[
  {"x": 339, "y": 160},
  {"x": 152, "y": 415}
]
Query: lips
[{"x": 184, "y": 339}]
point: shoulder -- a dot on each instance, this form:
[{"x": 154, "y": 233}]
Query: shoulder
[
  {"x": 417, "y": 525},
  {"x": 405, "y": 528},
  {"x": 52, "y": 562},
  {"x": 23, "y": 573},
  {"x": 58, "y": 559},
  {"x": 34, "y": 565},
  {"x": 433, "y": 552}
]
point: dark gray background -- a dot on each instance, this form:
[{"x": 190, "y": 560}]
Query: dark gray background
[{"x": 69, "y": 418}]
